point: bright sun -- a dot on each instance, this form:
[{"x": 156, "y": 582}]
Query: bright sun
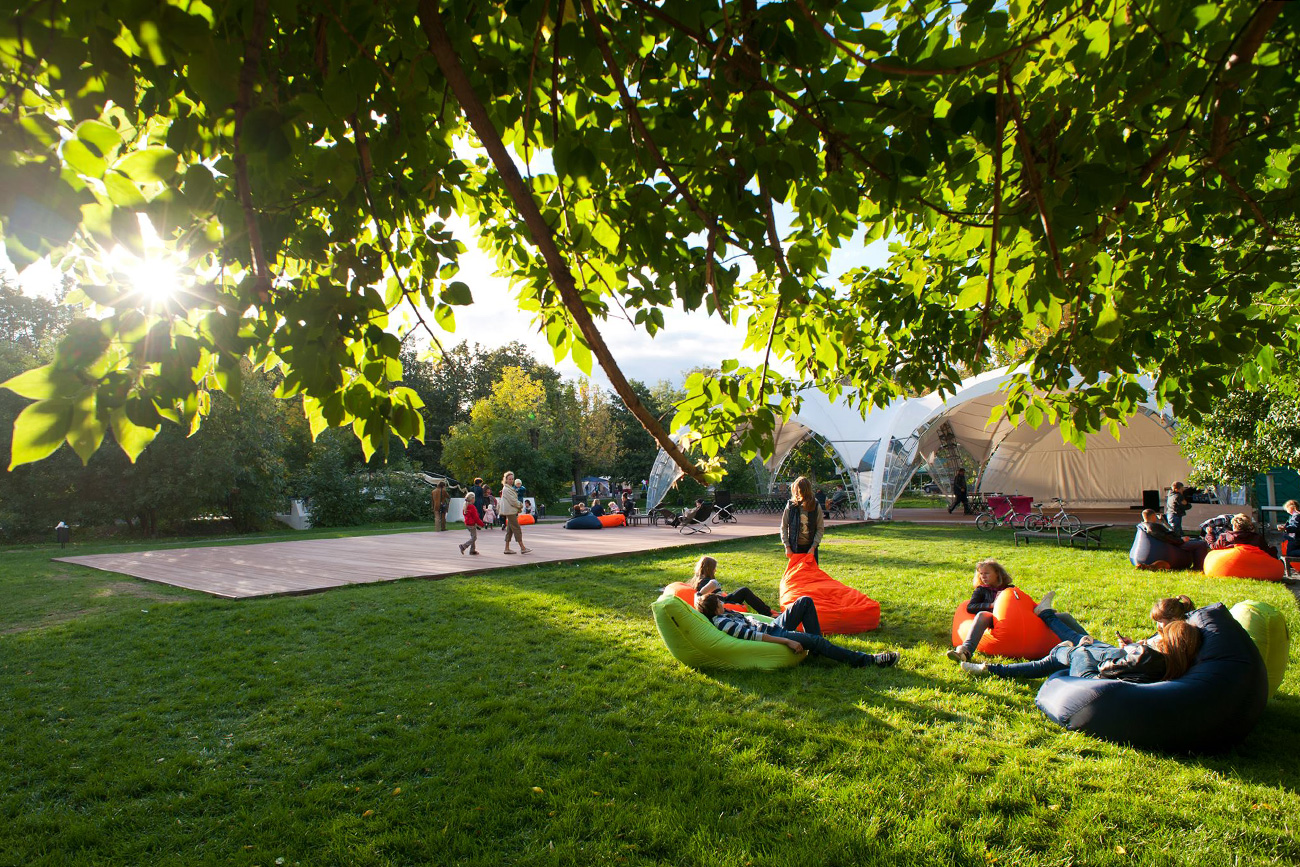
[{"x": 157, "y": 275}]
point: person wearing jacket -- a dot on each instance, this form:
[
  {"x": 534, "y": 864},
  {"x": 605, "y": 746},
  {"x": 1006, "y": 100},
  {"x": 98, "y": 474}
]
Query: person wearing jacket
[
  {"x": 509, "y": 501},
  {"x": 472, "y": 523},
  {"x": 802, "y": 524}
]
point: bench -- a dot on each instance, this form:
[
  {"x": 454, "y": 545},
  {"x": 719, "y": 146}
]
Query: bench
[{"x": 1086, "y": 537}]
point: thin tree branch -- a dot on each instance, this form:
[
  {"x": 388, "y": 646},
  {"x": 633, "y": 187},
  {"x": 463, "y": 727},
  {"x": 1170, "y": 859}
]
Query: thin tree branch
[
  {"x": 775, "y": 242},
  {"x": 890, "y": 69},
  {"x": 247, "y": 73},
  {"x": 1250, "y": 202},
  {"x": 479, "y": 120},
  {"x": 997, "y": 207},
  {"x": 1035, "y": 182},
  {"x": 367, "y": 171}
]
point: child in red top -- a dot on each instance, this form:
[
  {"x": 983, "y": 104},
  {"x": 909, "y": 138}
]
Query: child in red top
[{"x": 472, "y": 523}]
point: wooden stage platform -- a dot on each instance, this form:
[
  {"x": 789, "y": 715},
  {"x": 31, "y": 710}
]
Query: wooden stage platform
[{"x": 313, "y": 565}]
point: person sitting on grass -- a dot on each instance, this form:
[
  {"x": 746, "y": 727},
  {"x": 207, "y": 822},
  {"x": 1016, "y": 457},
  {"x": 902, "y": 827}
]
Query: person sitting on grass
[
  {"x": 991, "y": 578},
  {"x": 783, "y": 631},
  {"x": 706, "y": 581},
  {"x": 1164, "y": 656}
]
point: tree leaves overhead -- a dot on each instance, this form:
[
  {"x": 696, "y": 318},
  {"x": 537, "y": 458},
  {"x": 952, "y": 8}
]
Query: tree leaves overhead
[{"x": 1098, "y": 188}]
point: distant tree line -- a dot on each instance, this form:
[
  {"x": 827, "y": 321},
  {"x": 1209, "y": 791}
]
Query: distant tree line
[{"x": 486, "y": 410}]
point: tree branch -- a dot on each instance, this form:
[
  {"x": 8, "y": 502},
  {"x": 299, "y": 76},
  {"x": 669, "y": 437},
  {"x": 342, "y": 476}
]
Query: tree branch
[
  {"x": 252, "y": 57},
  {"x": 1035, "y": 182},
  {"x": 890, "y": 69},
  {"x": 775, "y": 241},
  {"x": 479, "y": 120},
  {"x": 1248, "y": 43},
  {"x": 997, "y": 206}
]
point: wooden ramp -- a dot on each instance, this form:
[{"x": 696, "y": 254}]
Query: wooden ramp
[{"x": 312, "y": 565}]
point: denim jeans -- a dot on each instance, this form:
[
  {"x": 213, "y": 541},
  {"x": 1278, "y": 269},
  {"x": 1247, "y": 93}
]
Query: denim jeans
[
  {"x": 804, "y": 613},
  {"x": 1079, "y": 661},
  {"x": 1063, "y": 625}
]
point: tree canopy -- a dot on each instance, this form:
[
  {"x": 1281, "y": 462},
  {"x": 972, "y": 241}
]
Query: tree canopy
[{"x": 1095, "y": 187}]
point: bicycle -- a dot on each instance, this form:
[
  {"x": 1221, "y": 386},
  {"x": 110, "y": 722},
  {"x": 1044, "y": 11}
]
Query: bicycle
[
  {"x": 1061, "y": 520},
  {"x": 991, "y": 518}
]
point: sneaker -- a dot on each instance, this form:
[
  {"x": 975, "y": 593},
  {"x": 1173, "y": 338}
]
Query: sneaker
[
  {"x": 462, "y": 548},
  {"x": 885, "y": 659},
  {"x": 975, "y": 669},
  {"x": 1046, "y": 602},
  {"x": 525, "y": 550},
  {"x": 475, "y": 553},
  {"x": 509, "y": 551},
  {"x": 959, "y": 654}
]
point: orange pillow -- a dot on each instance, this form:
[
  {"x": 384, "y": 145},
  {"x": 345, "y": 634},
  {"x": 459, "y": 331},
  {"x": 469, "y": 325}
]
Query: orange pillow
[
  {"x": 525, "y": 520},
  {"x": 841, "y": 610},
  {"x": 1244, "y": 561},
  {"x": 686, "y": 593},
  {"x": 1016, "y": 631},
  {"x": 612, "y": 520}
]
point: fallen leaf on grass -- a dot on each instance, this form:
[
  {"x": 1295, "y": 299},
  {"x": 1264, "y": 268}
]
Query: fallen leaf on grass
[
  {"x": 397, "y": 791},
  {"x": 538, "y": 790},
  {"x": 1119, "y": 850},
  {"x": 367, "y": 813}
]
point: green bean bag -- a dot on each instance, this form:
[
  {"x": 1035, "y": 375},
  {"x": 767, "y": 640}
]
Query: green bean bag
[
  {"x": 1267, "y": 627},
  {"x": 699, "y": 644}
]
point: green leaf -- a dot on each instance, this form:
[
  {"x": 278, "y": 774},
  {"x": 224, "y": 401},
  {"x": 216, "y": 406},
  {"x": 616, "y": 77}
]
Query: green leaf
[
  {"x": 81, "y": 158},
  {"x": 43, "y": 383},
  {"x": 39, "y": 430},
  {"x": 86, "y": 431},
  {"x": 99, "y": 136},
  {"x": 122, "y": 192},
  {"x": 581, "y": 355},
  {"x": 1108, "y": 324},
  {"x": 973, "y": 292},
  {"x": 457, "y": 293},
  {"x": 148, "y": 165}
]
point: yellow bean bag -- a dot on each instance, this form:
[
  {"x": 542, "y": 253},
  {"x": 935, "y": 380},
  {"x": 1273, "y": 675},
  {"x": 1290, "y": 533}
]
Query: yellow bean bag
[
  {"x": 1267, "y": 627},
  {"x": 1017, "y": 631},
  {"x": 697, "y": 643},
  {"x": 1244, "y": 561}
]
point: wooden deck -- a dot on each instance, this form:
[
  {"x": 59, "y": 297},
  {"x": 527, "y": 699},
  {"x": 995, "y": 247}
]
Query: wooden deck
[{"x": 313, "y": 565}]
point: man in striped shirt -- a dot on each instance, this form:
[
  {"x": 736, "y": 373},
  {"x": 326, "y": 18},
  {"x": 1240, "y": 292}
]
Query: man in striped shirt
[{"x": 783, "y": 631}]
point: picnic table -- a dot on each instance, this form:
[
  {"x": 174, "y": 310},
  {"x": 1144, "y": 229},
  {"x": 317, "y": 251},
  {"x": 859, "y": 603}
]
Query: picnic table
[{"x": 1085, "y": 537}]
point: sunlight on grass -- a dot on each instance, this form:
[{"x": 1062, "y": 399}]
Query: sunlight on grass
[{"x": 532, "y": 715}]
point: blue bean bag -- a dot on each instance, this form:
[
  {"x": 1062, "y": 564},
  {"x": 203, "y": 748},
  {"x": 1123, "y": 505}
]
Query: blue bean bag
[
  {"x": 1148, "y": 551},
  {"x": 1209, "y": 709},
  {"x": 584, "y": 522}
]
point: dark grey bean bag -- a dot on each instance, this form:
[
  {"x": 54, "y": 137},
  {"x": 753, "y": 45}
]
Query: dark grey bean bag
[
  {"x": 587, "y": 521},
  {"x": 1210, "y": 708},
  {"x": 1147, "y": 551}
]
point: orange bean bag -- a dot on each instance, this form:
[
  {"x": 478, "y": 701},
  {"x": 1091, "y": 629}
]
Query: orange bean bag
[
  {"x": 1244, "y": 561},
  {"x": 1017, "y": 631},
  {"x": 612, "y": 520},
  {"x": 525, "y": 520},
  {"x": 841, "y": 610},
  {"x": 686, "y": 593}
]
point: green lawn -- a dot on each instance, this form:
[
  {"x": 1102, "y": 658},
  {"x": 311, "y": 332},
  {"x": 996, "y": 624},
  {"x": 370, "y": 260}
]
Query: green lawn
[{"x": 532, "y": 716}]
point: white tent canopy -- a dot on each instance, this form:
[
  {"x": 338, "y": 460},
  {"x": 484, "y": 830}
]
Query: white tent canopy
[{"x": 879, "y": 453}]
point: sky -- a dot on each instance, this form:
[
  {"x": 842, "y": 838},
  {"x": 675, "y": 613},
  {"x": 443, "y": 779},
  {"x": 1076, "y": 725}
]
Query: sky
[{"x": 687, "y": 341}]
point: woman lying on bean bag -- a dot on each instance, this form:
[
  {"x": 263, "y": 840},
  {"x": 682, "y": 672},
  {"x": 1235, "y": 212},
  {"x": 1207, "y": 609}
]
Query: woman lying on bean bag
[{"x": 1165, "y": 656}]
